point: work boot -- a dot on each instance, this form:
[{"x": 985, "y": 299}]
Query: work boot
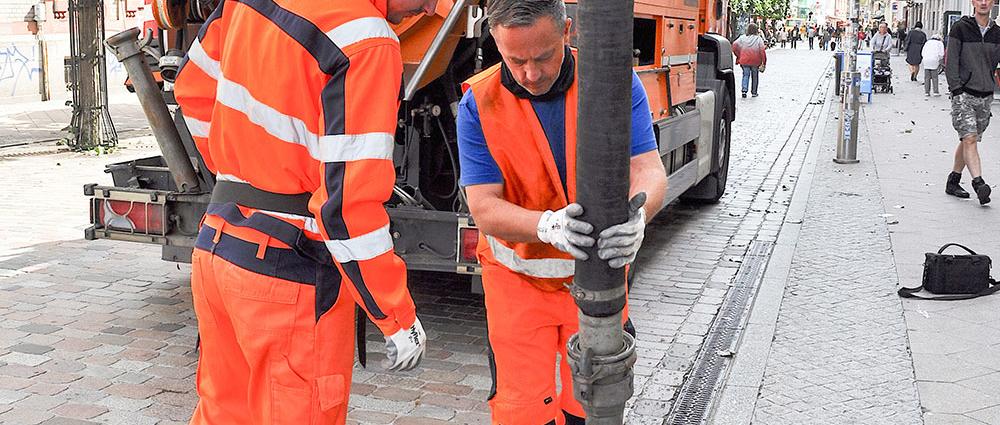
[
  {"x": 982, "y": 190},
  {"x": 954, "y": 188}
]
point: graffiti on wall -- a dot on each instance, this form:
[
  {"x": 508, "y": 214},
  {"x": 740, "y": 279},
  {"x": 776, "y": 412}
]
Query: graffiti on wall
[{"x": 19, "y": 67}]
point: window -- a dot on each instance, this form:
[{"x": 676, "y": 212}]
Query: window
[{"x": 644, "y": 40}]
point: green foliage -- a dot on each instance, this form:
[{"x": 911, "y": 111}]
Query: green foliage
[{"x": 767, "y": 9}]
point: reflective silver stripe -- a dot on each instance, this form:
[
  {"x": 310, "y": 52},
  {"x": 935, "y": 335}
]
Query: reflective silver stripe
[
  {"x": 361, "y": 29},
  {"x": 229, "y": 178},
  {"x": 353, "y": 147},
  {"x": 676, "y": 60},
  {"x": 198, "y": 128},
  {"x": 196, "y": 54},
  {"x": 361, "y": 248},
  {"x": 536, "y": 267},
  {"x": 336, "y": 148}
]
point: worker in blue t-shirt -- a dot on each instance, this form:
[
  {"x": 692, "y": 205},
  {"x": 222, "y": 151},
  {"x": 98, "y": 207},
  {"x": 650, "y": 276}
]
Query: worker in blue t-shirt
[{"x": 517, "y": 147}]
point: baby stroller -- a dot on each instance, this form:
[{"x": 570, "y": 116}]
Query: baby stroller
[{"x": 881, "y": 73}]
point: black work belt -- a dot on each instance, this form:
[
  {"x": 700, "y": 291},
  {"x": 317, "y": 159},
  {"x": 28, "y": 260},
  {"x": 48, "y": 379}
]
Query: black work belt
[{"x": 249, "y": 196}]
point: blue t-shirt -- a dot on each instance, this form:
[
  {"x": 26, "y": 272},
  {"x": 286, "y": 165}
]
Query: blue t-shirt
[{"x": 478, "y": 165}]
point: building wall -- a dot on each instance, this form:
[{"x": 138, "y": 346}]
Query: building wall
[
  {"x": 12, "y": 11},
  {"x": 31, "y": 52}
]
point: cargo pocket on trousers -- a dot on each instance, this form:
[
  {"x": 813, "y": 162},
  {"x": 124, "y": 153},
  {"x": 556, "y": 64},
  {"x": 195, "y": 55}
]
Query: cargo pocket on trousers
[
  {"x": 290, "y": 405},
  {"x": 259, "y": 302},
  {"x": 291, "y": 395},
  {"x": 332, "y": 392}
]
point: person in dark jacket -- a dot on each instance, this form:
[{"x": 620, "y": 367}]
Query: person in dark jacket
[
  {"x": 972, "y": 55},
  {"x": 914, "y": 45}
]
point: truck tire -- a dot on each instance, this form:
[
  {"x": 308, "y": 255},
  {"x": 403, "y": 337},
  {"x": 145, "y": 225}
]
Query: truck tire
[{"x": 713, "y": 186}]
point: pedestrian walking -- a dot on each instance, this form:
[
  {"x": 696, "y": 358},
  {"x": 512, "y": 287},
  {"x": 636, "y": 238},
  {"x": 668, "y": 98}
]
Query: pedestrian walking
[
  {"x": 827, "y": 36},
  {"x": 915, "y": 40},
  {"x": 517, "y": 160},
  {"x": 751, "y": 56},
  {"x": 973, "y": 55},
  {"x": 793, "y": 36},
  {"x": 932, "y": 61},
  {"x": 811, "y": 34},
  {"x": 862, "y": 36},
  {"x": 782, "y": 36},
  {"x": 296, "y": 235}
]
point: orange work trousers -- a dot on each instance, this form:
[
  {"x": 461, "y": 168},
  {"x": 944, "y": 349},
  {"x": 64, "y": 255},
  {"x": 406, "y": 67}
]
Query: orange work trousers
[
  {"x": 527, "y": 328},
  {"x": 264, "y": 359}
]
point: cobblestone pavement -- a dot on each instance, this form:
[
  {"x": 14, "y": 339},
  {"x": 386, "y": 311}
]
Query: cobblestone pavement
[
  {"x": 765, "y": 159},
  {"x": 955, "y": 345},
  {"x": 41, "y": 121},
  {"x": 104, "y": 332},
  {"x": 839, "y": 353}
]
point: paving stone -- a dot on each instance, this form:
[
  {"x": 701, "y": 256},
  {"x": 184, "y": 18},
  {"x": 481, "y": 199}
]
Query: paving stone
[
  {"x": 10, "y": 397},
  {"x": 852, "y": 337},
  {"x": 115, "y": 403},
  {"x": 30, "y": 348},
  {"x": 24, "y": 359},
  {"x": 38, "y": 328}
]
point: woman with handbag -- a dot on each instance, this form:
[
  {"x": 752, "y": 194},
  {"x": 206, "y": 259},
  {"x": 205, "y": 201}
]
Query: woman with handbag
[
  {"x": 933, "y": 61},
  {"x": 750, "y": 55}
]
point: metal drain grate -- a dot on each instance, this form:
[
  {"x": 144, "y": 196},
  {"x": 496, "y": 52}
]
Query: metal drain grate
[{"x": 696, "y": 395}]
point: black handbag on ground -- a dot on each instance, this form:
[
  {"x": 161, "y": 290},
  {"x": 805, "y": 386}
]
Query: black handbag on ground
[{"x": 954, "y": 277}]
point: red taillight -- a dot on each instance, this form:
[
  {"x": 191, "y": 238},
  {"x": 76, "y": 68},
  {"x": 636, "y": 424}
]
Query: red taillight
[
  {"x": 130, "y": 216},
  {"x": 468, "y": 239}
]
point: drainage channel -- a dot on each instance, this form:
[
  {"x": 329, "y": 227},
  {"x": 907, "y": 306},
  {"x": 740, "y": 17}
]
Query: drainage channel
[{"x": 696, "y": 396}]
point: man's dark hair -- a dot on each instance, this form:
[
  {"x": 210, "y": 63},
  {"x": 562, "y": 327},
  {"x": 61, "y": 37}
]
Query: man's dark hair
[
  {"x": 520, "y": 13},
  {"x": 918, "y": 25},
  {"x": 752, "y": 29}
]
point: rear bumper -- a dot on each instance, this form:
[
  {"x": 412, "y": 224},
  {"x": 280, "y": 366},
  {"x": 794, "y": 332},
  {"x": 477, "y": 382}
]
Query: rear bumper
[{"x": 424, "y": 239}]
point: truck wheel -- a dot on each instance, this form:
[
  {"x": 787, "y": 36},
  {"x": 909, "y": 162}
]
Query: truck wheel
[{"x": 711, "y": 189}]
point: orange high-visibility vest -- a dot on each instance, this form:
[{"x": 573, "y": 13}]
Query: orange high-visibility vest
[
  {"x": 299, "y": 97},
  {"x": 517, "y": 142}
]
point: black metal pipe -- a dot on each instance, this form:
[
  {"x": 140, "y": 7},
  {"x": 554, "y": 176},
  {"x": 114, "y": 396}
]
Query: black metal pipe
[
  {"x": 601, "y": 356},
  {"x": 126, "y": 48},
  {"x": 603, "y": 135}
]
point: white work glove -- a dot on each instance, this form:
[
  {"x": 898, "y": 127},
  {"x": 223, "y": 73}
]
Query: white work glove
[
  {"x": 567, "y": 234},
  {"x": 405, "y": 348},
  {"x": 620, "y": 243}
]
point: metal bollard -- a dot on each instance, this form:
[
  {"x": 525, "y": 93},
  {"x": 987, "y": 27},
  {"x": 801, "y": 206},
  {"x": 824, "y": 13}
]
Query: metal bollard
[
  {"x": 838, "y": 72},
  {"x": 850, "y": 107}
]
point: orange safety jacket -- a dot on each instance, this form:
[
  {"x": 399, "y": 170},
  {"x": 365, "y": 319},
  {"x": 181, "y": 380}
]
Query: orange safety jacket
[
  {"x": 296, "y": 97},
  {"x": 517, "y": 142}
]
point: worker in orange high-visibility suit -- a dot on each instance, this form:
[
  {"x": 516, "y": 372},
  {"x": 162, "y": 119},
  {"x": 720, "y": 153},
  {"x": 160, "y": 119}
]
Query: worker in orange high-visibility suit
[
  {"x": 293, "y": 106},
  {"x": 517, "y": 146}
]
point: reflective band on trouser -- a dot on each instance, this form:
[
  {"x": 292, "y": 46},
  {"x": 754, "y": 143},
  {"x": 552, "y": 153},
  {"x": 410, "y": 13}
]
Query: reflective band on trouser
[
  {"x": 330, "y": 148},
  {"x": 543, "y": 268}
]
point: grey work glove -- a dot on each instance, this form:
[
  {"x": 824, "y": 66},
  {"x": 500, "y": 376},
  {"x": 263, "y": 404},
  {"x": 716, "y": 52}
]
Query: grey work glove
[
  {"x": 405, "y": 348},
  {"x": 561, "y": 230},
  {"x": 620, "y": 243}
]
